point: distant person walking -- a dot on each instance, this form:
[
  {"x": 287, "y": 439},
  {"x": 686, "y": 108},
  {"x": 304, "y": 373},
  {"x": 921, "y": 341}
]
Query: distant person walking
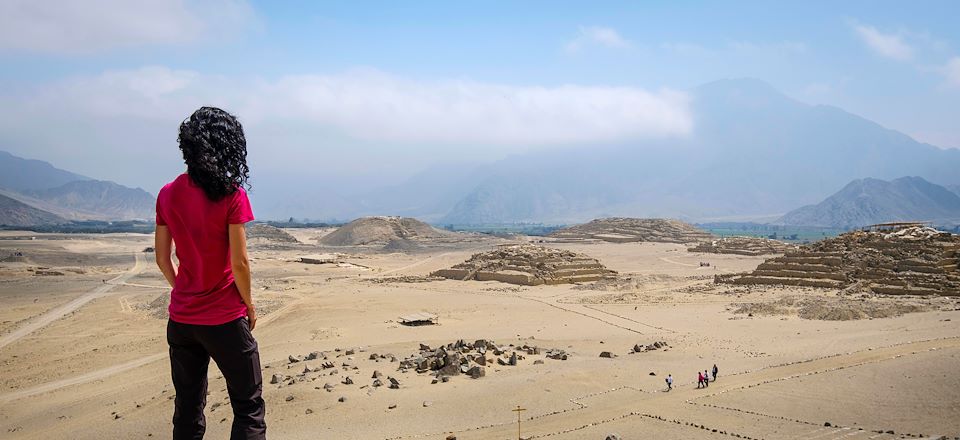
[
  {"x": 706, "y": 379},
  {"x": 203, "y": 212},
  {"x": 715, "y": 371},
  {"x": 699, "y": 380},
  {"x": 669, "y": 380}
]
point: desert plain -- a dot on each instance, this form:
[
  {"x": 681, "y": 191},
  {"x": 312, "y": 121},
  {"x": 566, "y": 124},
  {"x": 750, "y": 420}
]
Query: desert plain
[{"x": 83, "y": 352}]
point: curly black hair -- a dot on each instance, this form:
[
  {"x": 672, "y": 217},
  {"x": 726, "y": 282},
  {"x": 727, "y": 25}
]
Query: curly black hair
[{"x": 215, "y": 151}]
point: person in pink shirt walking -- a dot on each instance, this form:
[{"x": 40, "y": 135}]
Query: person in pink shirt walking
[{"x": 202, "y": 213}]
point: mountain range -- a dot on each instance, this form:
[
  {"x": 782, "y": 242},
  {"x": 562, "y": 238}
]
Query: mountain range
[
  {"x": 754, "y": 152},
  {"x": 35, "y": 192},
  {"x": 869, "y": 201}
]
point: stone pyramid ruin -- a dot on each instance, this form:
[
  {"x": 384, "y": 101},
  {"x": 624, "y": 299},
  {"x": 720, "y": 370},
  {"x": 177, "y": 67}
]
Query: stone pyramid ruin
[
  {"x": 628, "y": 230},
  {"x": 528, "y": 265},
  {"x": 751, "y": 246},
  {"x": 382, "y": 230},
  {"x": 893, "y": 259}
]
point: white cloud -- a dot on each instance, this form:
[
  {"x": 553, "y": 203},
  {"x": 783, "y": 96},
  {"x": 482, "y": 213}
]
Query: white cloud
[
  {"x": 952, "y": 71},
  {"x": 85, "y": 26},
  {"x": 374, "y": 106},
  {"x": 887, "y": 45},
  {"x": 598, "y": 36}
]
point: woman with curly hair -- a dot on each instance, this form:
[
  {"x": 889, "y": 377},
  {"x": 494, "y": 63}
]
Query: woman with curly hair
[{"x": 203, "y": 212}]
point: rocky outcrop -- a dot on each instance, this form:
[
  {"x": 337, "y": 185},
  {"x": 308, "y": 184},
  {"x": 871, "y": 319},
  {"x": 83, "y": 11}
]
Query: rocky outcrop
[
  {"x": 528, "y": 265},
  {"x": 628, "y": 230},
  {"x": 899, "y": 260}
]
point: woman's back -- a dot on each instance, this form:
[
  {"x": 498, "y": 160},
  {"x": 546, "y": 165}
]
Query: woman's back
[{"x": 204, "y": 292}]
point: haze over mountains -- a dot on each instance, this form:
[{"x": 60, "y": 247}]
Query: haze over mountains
[
  {"x": 870, "y": 201},
  {"x": 754, "y": 154},
  {"x": 35, "y": 192}
]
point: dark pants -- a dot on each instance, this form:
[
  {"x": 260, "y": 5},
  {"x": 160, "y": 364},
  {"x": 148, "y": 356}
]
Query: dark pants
[{"x": 235, "y": 351}]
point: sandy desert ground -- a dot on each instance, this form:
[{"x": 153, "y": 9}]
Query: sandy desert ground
[{"x": 83, "y": 353}]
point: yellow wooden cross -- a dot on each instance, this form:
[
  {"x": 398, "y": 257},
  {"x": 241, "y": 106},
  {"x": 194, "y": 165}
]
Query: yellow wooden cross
[{"x": 518, "y": 410}]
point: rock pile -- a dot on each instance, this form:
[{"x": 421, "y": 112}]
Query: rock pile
[
  {"x": 470, "y": 358},
  {"x": 907, "y": 261},
  {"x": 640, "y": 348},
  {"x": 529, "y": 265},
  {"x": 398, "y": 233},
  {"x": 268, "y": 233},
  {"x": 628, "y": 230},
  {"x": 744, "y": 246}
]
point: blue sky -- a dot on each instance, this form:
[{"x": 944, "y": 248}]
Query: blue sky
[{"x": 383, "y": 88}]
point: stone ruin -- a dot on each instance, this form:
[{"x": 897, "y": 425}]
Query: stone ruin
[
  {"x": 269, "y": 233},
  {"x": 470, "y": 358},
  {"x": 629, "y": 230},
  {"x": 528, "y": 265},
  {"x": 910, "y": 260},
  {"x": 399, "y": 233},
  {"x": 751, "y": 246}
]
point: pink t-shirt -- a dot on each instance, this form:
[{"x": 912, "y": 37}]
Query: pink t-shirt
[{"x": 204, "y": 292}]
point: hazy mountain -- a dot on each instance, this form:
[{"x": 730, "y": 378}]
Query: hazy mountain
[
  {"x": 16, "y": 213},
  {"x": 869, "y": 201},
  {"x": 954, "y": 188},
  {"x": 68, "y": 195},
  {"x": 754, "y": 152},
  {"x": 100, "y": 199},
  {"x": 20, "y": 174}
]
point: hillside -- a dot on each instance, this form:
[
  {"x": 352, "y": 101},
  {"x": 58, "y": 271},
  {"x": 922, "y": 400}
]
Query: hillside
[
  {"x": 19, "y": 174},
  {"x": 74, "y": 197},
  {"x": 98, "y": 199},
  {"x": 16, "y": 213},
  {"x": 954, "y": 188},
  {"x": 381, "y": 230},
  {"x": 749, "y": 156},
  {"x": 870, "y": 201}
]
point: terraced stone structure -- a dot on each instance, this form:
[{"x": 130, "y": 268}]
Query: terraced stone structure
[
  {"x": 908, "y": 260},
  {"x": 270, "y": 234},
  {"x": 528, "y": 265},
  {"x": 629, "y": 230},
  {"x": 751, "y": 246},
  {"x": 383, "y": 230}
]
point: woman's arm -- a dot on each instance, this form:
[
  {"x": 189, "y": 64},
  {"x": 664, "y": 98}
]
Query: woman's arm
[
  {"x": 240, "y": 264},
  {"x": 162, "y": 246}
]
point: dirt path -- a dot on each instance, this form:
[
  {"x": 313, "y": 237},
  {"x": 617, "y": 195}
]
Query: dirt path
[
  {"x": 674, "y": 407},
  {"x": 52, "y": 315},
  {"x": 83, "y": 378}
]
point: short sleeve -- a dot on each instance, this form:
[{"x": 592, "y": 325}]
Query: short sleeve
[
  {"x": 160, "y": 220},
  {"x": 240, "y": 211}
]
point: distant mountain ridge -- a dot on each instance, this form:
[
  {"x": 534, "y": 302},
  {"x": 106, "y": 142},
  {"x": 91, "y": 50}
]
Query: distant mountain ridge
[
  {"x": 16, "y": 213},
  {"x": 753, "y": 152},
  {"x": 19, "y": 174},
  {"x": 869, "y": 201},
  {"x": 68, "y": 196}
]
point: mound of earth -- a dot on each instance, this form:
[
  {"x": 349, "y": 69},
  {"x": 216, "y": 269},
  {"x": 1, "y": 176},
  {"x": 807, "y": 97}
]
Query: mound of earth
[
  {"x": 744, "y": 246},
  {"x": 383, "y": 230},
  {"x": 270, "y": 233},
  {"x": 528, "y": 265},
  {"x": 401, "y": 245},
  {"x": 905, "y": 260},
  {"x": 627, "y": 230}
]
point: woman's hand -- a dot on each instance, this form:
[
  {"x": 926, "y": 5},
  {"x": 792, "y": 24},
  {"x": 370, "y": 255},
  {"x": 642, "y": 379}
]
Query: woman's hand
[{"x": 252, "y": 316}]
